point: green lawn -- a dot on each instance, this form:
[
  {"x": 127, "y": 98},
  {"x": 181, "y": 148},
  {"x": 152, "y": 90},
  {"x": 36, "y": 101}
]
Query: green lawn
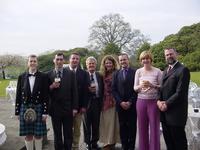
[
  {"x": 3, "y": 85},
  {"x": 195, "y": 77}
]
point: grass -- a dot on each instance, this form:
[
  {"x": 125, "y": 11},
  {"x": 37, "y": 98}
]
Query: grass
[
  {"x": 195, "y": 77},
  {"x": 3, "y": 85}
]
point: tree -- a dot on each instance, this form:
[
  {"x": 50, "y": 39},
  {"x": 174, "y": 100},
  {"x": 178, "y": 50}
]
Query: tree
[
  {"x": 111, "y": 48},
  {"x": 10, "y": 60},
  {"x": 113, "y": 29}
]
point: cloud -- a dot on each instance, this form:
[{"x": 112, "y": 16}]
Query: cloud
[{"x": 39, "y": 25}]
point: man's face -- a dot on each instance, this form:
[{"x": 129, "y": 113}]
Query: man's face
[
  {"x": 32, "y": 63},
  {"x": 91, "y": 65},
  {"x": 123, "y": 61},
  {"x": 170, "y": 56},
  {"x": 74, "y": 60},
  {"x": 58, "y": 61}
]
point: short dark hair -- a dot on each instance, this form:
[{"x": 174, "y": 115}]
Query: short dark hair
[
  {"x": 171, "y": 48},
  {"x": 60, "y": 54},
  {"x": 121, "y": 54},
  {"x": 74, "y": 53},
  {"x": 32, "y": 55}
]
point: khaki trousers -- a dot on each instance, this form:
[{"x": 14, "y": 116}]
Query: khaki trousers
[{"x": 76, "y": 130}]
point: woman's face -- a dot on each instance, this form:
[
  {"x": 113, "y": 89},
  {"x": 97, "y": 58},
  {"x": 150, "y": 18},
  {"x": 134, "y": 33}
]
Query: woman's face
[
  {"x": 108, "y": 65},
  {"x": 146, "y": 61}
]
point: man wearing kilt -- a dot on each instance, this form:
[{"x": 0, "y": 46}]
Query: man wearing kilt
[{"x": 32, "y": 89}]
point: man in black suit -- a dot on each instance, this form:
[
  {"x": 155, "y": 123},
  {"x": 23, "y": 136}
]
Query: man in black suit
[
  {"x": 125, "y": 96},
  {"x": 81, "y": 76},
  {"x": 95, "y": 95},
  {"x": 173, "y": 102},
  {"x": 63, "y": 102},
  {"x": 32, "y": 91}
]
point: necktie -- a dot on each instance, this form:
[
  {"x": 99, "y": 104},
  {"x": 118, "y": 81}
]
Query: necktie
[
  {"x": 124, "y": 73},
  {"x": 59, "y": 74},
  {"x": 169, "y": 69},
  {"x": 74, "y": 71},
  {"x": 91, "y": 78}
]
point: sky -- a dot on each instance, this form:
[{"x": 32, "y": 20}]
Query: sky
[{"x": 37, "y": 26}]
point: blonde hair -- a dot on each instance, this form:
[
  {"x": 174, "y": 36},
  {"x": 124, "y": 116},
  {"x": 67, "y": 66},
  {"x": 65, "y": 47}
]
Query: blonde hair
[
  {"x": 146, "y": 54},
  {"x": 103, "y": 70}
]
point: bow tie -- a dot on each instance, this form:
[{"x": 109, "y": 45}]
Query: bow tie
[{"x": 31, "y": 75}]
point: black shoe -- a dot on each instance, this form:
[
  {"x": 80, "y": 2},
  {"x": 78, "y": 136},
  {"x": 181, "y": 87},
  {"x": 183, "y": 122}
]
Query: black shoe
[
  {"x": 88, "y": 147},
  {"x": 95, "y": 147}
]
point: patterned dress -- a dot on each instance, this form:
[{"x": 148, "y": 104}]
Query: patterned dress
[{"x": 109, "y": 125}]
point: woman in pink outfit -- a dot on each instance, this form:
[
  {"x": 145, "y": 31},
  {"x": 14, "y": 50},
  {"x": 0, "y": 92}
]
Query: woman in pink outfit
[{"x": 147, "y": 84}]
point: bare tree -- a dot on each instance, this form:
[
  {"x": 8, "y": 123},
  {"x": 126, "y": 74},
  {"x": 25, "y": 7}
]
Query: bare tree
[
  {"x": 113, "y": 29},
  {"x": 10, "y": 60}
]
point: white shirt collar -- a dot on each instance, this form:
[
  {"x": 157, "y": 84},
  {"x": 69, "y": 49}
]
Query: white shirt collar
[{"x": 72, "y": 68}]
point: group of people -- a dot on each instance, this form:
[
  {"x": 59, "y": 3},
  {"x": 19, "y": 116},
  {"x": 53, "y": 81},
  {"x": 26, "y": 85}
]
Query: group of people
[{"x": 111, "y": 103}]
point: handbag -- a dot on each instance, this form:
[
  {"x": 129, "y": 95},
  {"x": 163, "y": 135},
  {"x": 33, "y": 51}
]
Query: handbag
[{"x": 30, "y": 115}]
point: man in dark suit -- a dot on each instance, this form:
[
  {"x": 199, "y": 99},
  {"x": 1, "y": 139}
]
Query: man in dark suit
[
  {"x": 125, "y": 96},
  {"x": 63, "y": 102},
  {"x": 173, "y": 102},
  {"x": 95, "y": 95},
  {"x": 32, "y": 91},
  {"x": 81, "y": 76}
]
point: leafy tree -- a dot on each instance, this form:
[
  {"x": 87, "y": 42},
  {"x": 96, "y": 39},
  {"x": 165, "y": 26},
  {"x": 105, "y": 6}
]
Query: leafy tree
[
  {"x": 10, "y": 60},
  {"x": 111, "y": 48},
  {"x": 112, "y": 29},
  {"x": 187, "y": 44},
  {"x": 192, "y": 61}
]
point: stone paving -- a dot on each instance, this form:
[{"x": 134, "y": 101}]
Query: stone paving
[{"x": 15, "y": 142}]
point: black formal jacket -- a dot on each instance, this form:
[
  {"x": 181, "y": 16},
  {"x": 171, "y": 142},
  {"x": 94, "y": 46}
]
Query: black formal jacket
[
  {"x": 122, "y": 90},
  {"x": 81, "y": 80},
  {"x": 65, "y": 98},
  {"x": 174, "y": 90},
  {"x": 100, "y": 84},
  {"x": 39, "y": 94}
]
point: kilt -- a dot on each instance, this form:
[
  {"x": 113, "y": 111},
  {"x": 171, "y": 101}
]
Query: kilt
[{"x": 38, "y": 128}]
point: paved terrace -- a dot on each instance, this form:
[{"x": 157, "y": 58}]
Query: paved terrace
[{"x": 15, "y": 142}]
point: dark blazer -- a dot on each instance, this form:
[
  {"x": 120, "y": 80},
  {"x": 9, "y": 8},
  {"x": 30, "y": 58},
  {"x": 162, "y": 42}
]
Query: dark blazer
[
  {"x": 82, "y": 86},
  {"x": 100, "y": 84},
  {"x": 64, "y": 98},
  {"x": 39, "y": 94},
  {"x": 122, "y": 90},
  {"x": 174, "y": 90}
]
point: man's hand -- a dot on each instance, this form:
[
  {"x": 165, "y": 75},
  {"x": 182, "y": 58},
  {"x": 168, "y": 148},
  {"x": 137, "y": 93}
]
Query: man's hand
[
  {"x": 162, "y": 105},
  {"x": 74, "y": 112},
  {"x": 54, "y": 85},
  {"x": 44, "y": 118},
  {"x": 82, "y": 110},
  {"x": 92, "y": 89},
  {"x": 125, "y": 105}
]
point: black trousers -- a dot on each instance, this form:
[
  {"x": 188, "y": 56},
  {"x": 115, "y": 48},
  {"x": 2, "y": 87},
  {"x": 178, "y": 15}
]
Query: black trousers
[
  {"x": 91, "y": 122},
  {"x": 62, "y": 127},
  {"x": 128, "y": 127},
  {"x": 175, "y": 137}
]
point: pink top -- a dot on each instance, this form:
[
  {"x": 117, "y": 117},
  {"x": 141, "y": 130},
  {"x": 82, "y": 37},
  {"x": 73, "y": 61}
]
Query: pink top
[{"x": 154, "y": 76}]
